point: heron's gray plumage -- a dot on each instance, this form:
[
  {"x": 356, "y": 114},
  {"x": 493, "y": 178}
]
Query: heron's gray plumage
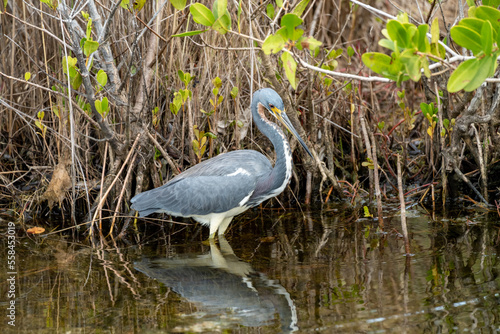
[
  {"x": 203, "y": 188},
  {"x": 216, "y": 190}
]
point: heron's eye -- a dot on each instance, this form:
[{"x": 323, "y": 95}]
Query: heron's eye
[{"x": 271, "y": 106}]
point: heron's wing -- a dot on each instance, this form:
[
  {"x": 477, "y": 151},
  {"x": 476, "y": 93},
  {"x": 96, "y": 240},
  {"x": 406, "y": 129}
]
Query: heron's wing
[
  {"x": 251, "y": 161},
  {"x": 196, "y": 196},
  {"x": 214, "y": 186}
]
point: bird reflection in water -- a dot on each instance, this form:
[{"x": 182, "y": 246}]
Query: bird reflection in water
[{"x": 220, "y": 284}]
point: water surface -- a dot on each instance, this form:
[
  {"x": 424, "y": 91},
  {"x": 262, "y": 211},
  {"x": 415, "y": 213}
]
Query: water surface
[{"x": 278, "y": 271}]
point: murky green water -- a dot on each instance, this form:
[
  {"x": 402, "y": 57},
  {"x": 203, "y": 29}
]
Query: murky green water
[{"x": 276, "y": 272}]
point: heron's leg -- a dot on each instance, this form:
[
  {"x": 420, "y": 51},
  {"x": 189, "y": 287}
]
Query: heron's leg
[
  {"x": 213, "y": 229},
  {"x": 218, "y": 259},
  {"x": 224, "y": 224},
  {"x": 215, "y": 222},
  {"x": 225, "y": 247}
]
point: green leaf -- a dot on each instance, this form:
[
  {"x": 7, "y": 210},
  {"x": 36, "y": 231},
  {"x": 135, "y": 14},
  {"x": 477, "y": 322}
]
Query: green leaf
[
  {"x": 423, "y": 42},
  {"x": 51, "y": 3},
  {"x": 219, "y": 8},
  {"x": 425, "y": 108},
  {"x": 435, "y": 31},
  {"x": 467, "y": 38},
  {"x": 138, "y": 4},
  {"x": 82, "y": 42},
  {"x": 489, "y": 14},
  {"x": 299, "y": 9},
  {"x": 273, "y": 44},
  {"x": 105, "y": 106},
  {"x": 77, "y": 80},
  {"x": 334, "y": 53},
  {"x": 190, "y": 33},
  {"x": 270, "y": 10},
  {"x": 196, "y": 147},
  {"x": 472, "y": 11},
  {"x": 185, "y": 77},
  {"x": 290, "y": 66},
  {"x": 492, "y": 3},
  {"x": 188, "y": 78},
  {"x": 102, "y": 78},
  {"x": 217, "y": 82},
  {"x": 223, "y": 24},
  {"x": 471, "y": 74},
  {"x": 73, "y": 72},
  {"x": 382, "y": 64},
  {"x": 27, "y": 76},
  {"x": 387, "y": 43},
  {"x": 397, "y": 33},
  {"x": 125, "y": 4},
  {"x": 203, "y": 145},
  {"x": 196, "y": 131},
  {"x": 55, "y": 110},
  {"x": 39, "y": 125},
  {"x": 89, "y": 29},
  {"x": 176, "y": 103},
  {"x": 279, "y": 3},
  {"x": 350, "y": 51},
  {"x": 446, "y": 123},
  {"x": 297, "y": 34},
  {"x": 239, "y": 16},
  {"x": 309, "y": 43},
  {"x": 412, "y": 64},
  {"x": 290, "y": 22},
  {"x": 403, "y": 17},
  {"x": 178, "y": 4},
  {"x": 411, "y": 31},
  {"x": 202, "y": 15},
  {"x": 210, "y": 135},
  {"x": 234, "y": 92},
  {"x": 181, "y": 75},
  {"x": 438, "y": 50},
  {"x": 97, "y": 104},
  {"x": 472, "y": 23},
  {"x": 90, "y": 47},
  {"x": 68, "y": 62},
  {"x": 368, "y": 164},
  {"x": 487, "y": 38},
  {"x": 424, "y": 63},
  {"x": 185, "y": 95}
]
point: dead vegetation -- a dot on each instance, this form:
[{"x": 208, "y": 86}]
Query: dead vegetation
[{"x": 57, "y": 147}]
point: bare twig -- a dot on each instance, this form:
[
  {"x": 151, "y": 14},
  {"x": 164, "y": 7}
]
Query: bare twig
[{"x": 403, "y": 207}]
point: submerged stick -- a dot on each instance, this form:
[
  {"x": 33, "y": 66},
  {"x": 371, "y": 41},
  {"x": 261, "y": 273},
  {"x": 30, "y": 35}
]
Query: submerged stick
[
  {"x": 482, "y": 162},
  {"x": 403, "y": 208},
  {"x": 444, "y": 162},
  {"x": 378, "y": 193},
  {"x": 368, "y": 150}
]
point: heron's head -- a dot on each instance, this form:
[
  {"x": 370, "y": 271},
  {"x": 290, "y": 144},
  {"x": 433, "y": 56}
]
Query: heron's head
[{"x": 268, "y": 103}]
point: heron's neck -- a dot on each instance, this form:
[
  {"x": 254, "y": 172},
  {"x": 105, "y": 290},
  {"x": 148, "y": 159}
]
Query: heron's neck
[{"x": 282, "y": 171}]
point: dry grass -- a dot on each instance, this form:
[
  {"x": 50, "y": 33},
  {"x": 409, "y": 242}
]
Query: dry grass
[{"x": 142, "y": 70}]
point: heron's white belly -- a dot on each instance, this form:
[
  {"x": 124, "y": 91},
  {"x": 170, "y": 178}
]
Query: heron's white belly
[{"x": 218, "y": 217}]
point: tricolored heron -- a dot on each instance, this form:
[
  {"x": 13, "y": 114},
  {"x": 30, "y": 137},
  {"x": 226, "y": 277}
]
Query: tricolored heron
[{"x": 215, "y": 190}]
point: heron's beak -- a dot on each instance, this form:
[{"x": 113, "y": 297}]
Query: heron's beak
[{"x": 283, "y": 118}]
